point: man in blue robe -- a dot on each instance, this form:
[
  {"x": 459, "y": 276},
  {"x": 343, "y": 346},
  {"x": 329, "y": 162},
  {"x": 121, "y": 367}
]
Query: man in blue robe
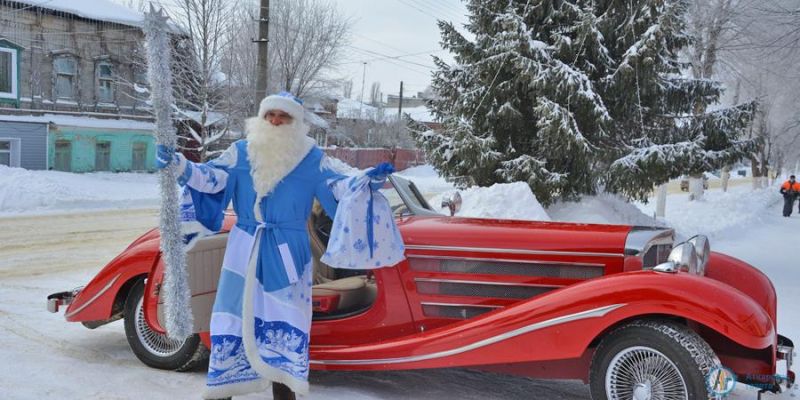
[{"x": 261, "y": 317}]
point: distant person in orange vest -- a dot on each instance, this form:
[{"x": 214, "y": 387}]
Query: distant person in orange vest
[{"x": 790, "y": 190}]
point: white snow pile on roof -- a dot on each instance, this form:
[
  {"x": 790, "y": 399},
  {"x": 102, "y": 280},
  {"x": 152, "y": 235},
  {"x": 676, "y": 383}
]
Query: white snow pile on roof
[
  {"x": 84, "y": 122},
  {"x": 354, "y": 109},
  {"x": 212, "y": 117},
  {"x": 419, "y": 114},
  {"x": 41, "y": 192},
  {"x": 100, "y": 10}
]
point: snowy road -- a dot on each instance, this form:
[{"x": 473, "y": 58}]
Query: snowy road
[{"x": 46, "y": 358}]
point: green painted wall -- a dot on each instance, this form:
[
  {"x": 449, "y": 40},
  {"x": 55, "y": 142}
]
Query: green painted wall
[{"x": 84, "y": 141}]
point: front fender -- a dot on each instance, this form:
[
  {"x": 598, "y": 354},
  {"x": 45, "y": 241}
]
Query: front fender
[
  {"x": 709, "y": 302},
  {"x": 95, "y": 302}
]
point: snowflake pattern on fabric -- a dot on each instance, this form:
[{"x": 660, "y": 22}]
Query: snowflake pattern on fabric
[
  {"x": 227, "y": 362},
  {"x": 362, "y": 239},
  {"x": 283, "y": 346}
]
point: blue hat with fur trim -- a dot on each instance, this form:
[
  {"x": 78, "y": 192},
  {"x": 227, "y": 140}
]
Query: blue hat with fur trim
[{"x": 283, "y": 101}]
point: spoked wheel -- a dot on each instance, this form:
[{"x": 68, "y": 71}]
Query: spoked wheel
[
  {"x": 156, "y": 349},
  {"x": 642, "y": 373},
  {"x": 652, "y": 360}
]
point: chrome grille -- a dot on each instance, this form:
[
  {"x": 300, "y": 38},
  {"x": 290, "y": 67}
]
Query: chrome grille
[
  {"x": 459, "y": 311},
  {"x": 479, "y": 289},
  {"x": 657, "y": 254},
  {"x": 505, "y": 267}
]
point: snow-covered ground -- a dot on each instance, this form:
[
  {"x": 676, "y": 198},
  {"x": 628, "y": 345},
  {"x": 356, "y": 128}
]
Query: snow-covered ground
[
  {"x": 27, "y": 192},
  {"x": 48, "y": 243}
]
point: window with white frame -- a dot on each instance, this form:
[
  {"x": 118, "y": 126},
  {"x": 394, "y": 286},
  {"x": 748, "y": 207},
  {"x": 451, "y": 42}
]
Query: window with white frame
[
  {"x": 8, "y": 73},
  {"x": 105, "y": 83},
  {"x": 66, "y": 69},
  {"x": 9, "y": 152}
]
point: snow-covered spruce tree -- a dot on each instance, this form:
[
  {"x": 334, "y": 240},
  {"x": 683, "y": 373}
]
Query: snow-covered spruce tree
[
  {"x": 514, "y": 106},
  {"x": 664, "y": 125},
  {"x": 570, "y": 95}
]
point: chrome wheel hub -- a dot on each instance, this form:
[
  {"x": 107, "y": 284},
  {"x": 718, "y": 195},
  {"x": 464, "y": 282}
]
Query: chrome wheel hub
[
  {"x": 156, "y": 343},
  {"x": 643, "y": 373}
]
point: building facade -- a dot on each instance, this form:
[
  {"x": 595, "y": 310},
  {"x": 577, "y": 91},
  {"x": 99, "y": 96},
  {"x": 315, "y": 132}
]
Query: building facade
[{"x": 80, "y": 61}]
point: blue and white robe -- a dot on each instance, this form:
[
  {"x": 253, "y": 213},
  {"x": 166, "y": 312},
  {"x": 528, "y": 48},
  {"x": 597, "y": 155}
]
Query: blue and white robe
[{"x": 261, "y": 318}]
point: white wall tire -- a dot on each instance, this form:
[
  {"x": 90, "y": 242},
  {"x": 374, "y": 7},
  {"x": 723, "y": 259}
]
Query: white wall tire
[{"x": 648, "y": 360}]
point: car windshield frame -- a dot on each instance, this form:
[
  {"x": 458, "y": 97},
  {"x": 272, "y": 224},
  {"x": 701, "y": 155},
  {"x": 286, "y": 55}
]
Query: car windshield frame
[{"x": 412, "y": 197}]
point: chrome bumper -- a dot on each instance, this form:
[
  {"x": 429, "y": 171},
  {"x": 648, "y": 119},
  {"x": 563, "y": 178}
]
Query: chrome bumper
[
  {"x": 56, "y": 300},
  {"x": 785, "y": 351}
]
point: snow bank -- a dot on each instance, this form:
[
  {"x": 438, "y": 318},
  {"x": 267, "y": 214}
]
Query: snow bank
[
  {"x": 40, "y": 192},
  {"x": 719, "y": 213},
  {"x": 600, "y": 209},
  {"x": 501, "y": 200}
]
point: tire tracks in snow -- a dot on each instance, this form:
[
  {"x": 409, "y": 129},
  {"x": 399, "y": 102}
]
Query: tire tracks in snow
[
  {"x": 14, "y": 325},
  {"x": 57, "y": 243}
]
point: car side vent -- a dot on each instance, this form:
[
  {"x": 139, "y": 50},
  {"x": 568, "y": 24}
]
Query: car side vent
[
  {"x": 479, "y": 289},
  {"x": 459, "y": 311},
  {"x": 505, "y": 267}
]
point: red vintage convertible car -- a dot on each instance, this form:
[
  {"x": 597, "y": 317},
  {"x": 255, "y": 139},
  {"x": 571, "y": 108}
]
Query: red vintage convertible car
[{"x": 620, "y": 307}]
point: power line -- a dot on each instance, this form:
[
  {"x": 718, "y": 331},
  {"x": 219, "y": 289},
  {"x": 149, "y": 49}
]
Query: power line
[
  {"x": 393, "y": 57},
  {"x": 388, "y": 57},
  {"x": 384, "y": 43},
  {"x": 435, "y": 8},
  {"x": 395, "y": 63}
]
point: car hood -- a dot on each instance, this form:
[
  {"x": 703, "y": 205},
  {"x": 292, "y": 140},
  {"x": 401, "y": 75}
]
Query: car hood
[{"x": 513, "y": 234}]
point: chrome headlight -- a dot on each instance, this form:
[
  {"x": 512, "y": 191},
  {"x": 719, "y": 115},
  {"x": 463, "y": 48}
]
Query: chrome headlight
[
  {"x": 682, "y": 257},
  {"x": 703, "y": 249}
]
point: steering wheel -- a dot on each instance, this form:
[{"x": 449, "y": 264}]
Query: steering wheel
[{"x": 398, "y": 207}]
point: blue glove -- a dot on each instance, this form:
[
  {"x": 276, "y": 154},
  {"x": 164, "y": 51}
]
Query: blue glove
[
  {"x": 378, "y": 175},
  {"x": 165, "y": 156}
]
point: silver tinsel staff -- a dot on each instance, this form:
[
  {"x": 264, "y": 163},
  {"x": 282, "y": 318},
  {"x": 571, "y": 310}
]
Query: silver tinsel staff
[{"x": 175, "y": 291}]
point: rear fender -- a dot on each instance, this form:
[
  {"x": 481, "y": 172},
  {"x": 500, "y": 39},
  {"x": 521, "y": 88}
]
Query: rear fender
[
  {"x": 563, "y": 324},
  {"x": 151, "y": 296},
  {"x": 96, "y": 300}
]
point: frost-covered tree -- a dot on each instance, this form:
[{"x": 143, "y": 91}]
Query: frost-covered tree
[{"x": 571, "y": 96}]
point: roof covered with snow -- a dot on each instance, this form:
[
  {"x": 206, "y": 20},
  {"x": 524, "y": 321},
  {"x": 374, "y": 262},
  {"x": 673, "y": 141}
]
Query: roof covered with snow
[
  {"x": 100, "y": 10},
  {"x": 83, "y": 122},
  {"x": 354, "y": 109}
]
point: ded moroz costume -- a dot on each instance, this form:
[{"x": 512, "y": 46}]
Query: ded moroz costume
[{"x": 261, "y": 318}]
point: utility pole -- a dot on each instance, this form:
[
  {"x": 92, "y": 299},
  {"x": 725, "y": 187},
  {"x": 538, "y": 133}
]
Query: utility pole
[
  {"x": 400, "y": 107},
  {"x": 361, "y": 101},
  {"x": 263, "y": 47}
]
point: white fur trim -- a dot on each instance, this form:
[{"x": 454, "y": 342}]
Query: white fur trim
[
  {"x": 285, "y": 104},
  {"x": 236, "y": 389},
  {"x": 249, "y": 336}
]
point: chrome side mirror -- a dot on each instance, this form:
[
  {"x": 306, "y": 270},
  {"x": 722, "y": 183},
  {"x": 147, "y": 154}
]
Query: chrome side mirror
[
  {"x": 703, "y": 249},
  {"x": 682, "y": 257},
  {"x": 452, "y": 201}
]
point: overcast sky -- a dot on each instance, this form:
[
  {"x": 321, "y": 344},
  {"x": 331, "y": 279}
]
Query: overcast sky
[{"x": 395, "y": 28}]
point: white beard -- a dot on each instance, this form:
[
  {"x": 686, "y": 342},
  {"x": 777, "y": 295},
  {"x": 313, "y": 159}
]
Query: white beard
[{"x": 274, "y": 151}]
